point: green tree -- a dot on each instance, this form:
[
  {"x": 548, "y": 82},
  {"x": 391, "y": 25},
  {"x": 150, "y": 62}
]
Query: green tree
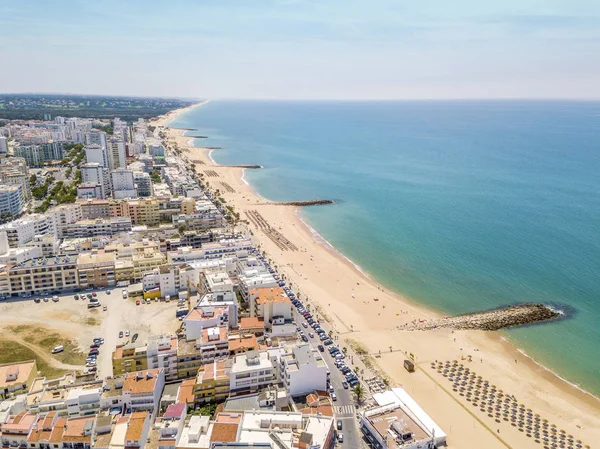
[{"x": 359, "y": 392}]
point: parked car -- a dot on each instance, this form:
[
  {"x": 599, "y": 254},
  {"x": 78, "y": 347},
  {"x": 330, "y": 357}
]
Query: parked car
[
  {"x": 46, "y": 299},
  {"x": 328, "y": 342},
  {"x": 321, "y": 348},
  {"x": 127, "y": 333},
  {"x": 120, "y": 334},
  {"x": 339, "y": 424},
  {"x": 76, "y": 297},
  {"x": 137, "y": 302},
  {"x": 304, "y": 325},
  {"x": 333, "y": 397},
  {"x": 37, "y": 300},
  {"x": 94, "y": 294},
  {"x": 345, "y": 385},
  {"x": 304, "y": 338},
  {"x": 55, "y": 298},
  {"x": 311, "y": 335},
  {"x": 104, "y": 308},
  {"x": 108, "y": 292},
  {"x": 134, "y": 337},
  {"x": 340, "y": 438}
]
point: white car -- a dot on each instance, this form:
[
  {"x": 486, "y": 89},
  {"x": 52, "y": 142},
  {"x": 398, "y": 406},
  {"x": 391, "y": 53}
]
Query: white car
[
  {"x": 127, "y": 333},
  {"x": 340, "y": 437},
  {"x": 333, "y": 397}
]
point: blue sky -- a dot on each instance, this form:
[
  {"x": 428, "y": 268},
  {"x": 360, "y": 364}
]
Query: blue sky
[{"x": 304, "y": 49}]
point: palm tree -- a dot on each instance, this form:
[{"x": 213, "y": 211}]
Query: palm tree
[{"x": 359, "y": 392}]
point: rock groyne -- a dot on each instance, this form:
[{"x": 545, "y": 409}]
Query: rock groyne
[
  {"x": 244, "y": 166},
  {"x": 490, "y": 320},
  {"x": 304, "y": 203}
]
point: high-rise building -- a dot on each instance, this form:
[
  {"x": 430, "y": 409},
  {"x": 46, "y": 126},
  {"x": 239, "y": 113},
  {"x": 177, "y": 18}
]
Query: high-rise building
[
  {"x": 96, "y": 137},
  {"x": 12, "y": 200},
  {"x": 96, "y": 174},
  {"x": 98, "y": 154},
  {"x": 123, "y": 184},
  {"x": 3, "y": 145},
  {"x": 116, "y": 154},
  {"x": 143, "y": 183}
]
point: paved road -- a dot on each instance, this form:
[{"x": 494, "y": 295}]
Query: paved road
[{"x": 343, "y": 409}]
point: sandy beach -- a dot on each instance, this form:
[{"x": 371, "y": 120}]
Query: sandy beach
[{"x": 347, "y": 299}]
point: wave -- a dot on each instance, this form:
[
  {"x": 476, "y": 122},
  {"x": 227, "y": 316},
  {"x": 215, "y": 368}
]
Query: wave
[{"x": 545, "y": 368}]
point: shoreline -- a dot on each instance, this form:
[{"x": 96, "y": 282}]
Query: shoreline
[{"x": 523, "y": 375}]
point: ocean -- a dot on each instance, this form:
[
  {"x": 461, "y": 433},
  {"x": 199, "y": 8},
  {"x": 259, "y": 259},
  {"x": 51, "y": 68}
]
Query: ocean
[{"x": 459, "y": 205}]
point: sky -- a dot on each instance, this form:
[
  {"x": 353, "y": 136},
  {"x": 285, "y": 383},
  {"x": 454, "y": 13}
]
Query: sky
[{"x": 303, "y": 49}]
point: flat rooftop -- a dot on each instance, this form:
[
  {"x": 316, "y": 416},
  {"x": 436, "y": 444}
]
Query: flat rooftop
[{"x": 389, "y": 423}]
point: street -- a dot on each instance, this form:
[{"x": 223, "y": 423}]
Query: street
[{"x": 343, "y": 408}]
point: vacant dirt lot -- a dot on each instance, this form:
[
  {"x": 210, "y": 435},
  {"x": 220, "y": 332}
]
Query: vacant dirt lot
[{"x": 30, "y": 330}]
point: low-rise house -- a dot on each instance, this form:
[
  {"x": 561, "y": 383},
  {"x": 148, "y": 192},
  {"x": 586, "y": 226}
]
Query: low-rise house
[
  {"x": 16, "y": 378},
  {"x": 15, "y": 431},
  {"x": 170, "y": 425}
]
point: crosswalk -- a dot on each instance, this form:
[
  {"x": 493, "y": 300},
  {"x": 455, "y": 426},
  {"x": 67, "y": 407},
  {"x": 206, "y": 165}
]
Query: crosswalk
[{"x": 343, "y": 410}]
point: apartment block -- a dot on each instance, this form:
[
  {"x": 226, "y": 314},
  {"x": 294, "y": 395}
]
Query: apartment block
[
  {"x": 21, "y": 231},
  {"x": 97, "y": 227},
  {"x": 252, "y": 371},
  {"x": 12, "y": 199},
  {"x": 43, "y": 275},
  {"x": 96, "y": 270},
  {"x": 302, "y": 369},
  {"x": 212, "y": 382}
]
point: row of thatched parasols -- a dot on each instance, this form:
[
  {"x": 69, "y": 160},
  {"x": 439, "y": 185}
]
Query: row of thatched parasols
[{"x": 501, "y": 406}]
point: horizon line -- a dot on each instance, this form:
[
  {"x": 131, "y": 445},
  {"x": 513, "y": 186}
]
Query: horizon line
[{"x": 349, "y": 99}]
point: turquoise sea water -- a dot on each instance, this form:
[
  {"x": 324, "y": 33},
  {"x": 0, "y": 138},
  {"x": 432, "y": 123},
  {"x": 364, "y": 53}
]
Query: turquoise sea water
[{"x": 460, "y": 206}]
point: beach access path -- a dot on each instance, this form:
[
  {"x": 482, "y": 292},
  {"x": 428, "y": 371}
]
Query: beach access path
[{"x": 358, "y": 309}]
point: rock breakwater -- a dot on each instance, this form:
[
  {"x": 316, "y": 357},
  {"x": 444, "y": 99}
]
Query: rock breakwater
[
  {"x": 490, "y": 320},
  {"x": 305, "y": 203}
]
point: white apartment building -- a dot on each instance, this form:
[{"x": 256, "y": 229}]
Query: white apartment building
[
  {"x": 95, "y": 137},
  {"x": 213, "y": 345},
  {"x": 65, "y": 215},
  {"x": 96, "y": 154},
  {"x": 96, "y": 227},
  {"x": 83, "y": 401},
  {"x": 23, "y": 230},
  {"x": 285, "y": 430},
  {"x": 123, "y": 184},
  {"x": 161, "y": 353},
  {"x": 89, "y": 191},
  {"x": 116, "y": 154},
  {"x": 12, "y": 199},
  {"x": 96, "y": 174},
  {"x": 302, "y": 369},
  {"x": 212, "y": 300},
  {"x": 12, "y": 256},
  {"x": 251, "y": 371},
  {"x": 219, "y": 285},
  {"x": 137, "y": 391},
  {"x": 171, "y": 279},
  {"x": 203, "y": 317}
]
